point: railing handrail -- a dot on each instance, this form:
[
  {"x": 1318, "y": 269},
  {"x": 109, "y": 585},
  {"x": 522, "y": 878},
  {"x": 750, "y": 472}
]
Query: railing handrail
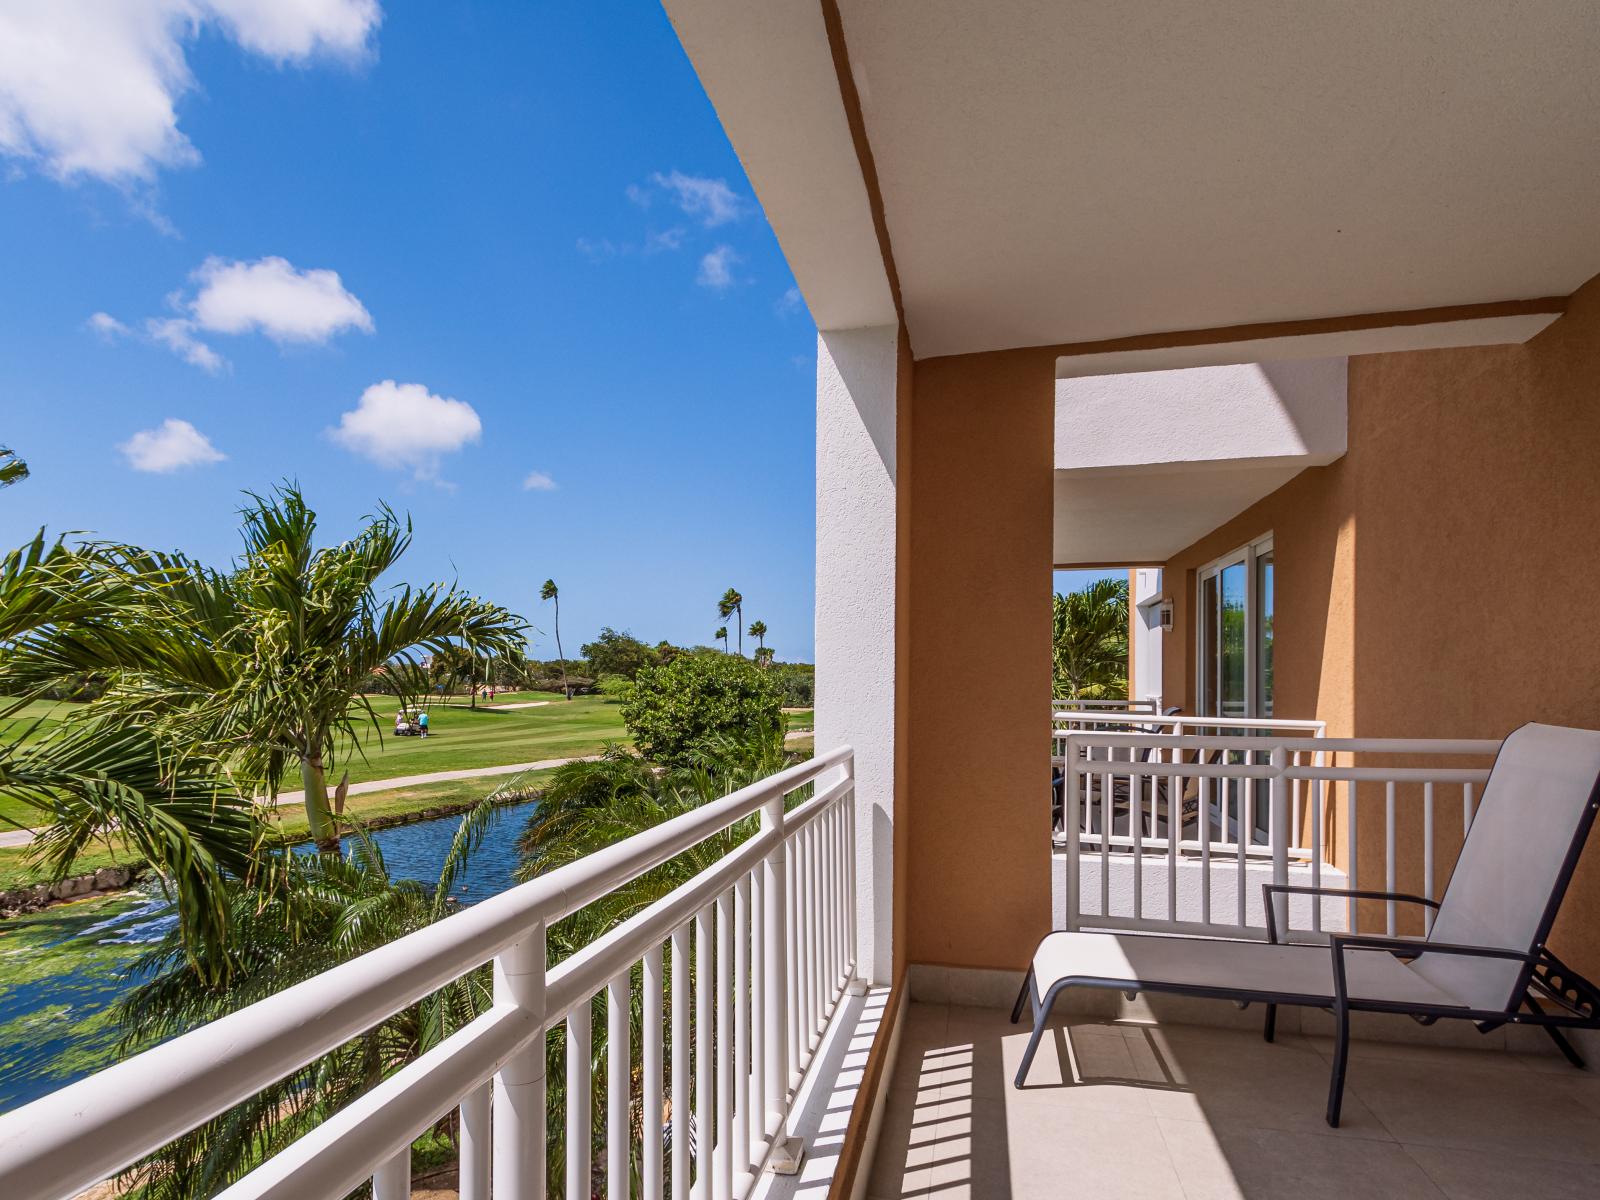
[
  {"x": 1463, "y": 747},
  {"x": 83, "y": 1132},
  {"x": 1179, "y": 722}
]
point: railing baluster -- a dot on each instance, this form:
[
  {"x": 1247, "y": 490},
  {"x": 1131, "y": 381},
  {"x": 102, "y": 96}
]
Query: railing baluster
[
  {"x": 519, "y": 1085},
  {"x": 790, "y": 949},
  {"x": 704, "y": 1050},
  {"x": 619, "y": 1088},
  {"x": 1204, "y": 817},
  {"x": 392, "y": 1181},
  {"x": 774, "y": 1023},
  {"x": 580, "y": 1102},
  {"x": 1174, "y": 834},
  {"x": 1316, "y": 852},
  {"x": 723, "y": 1158},
  {"x": 1390, "y": 867},
  {"x": 1136, "y": 829},
  {"x": 680, "y": 1063},
  {"x": 650, "y": 1103},
  {"x": 1351, "y": 912},
  {"x": 1106, "y": 822},
  {"x": 1244, "y": 819},
  {"x": 1427, "y": 854},
  {"x": 1278, "y": 830},
  {"x": 755, "y": 1111},
  {"x": 741, "y": 1028},
  {"x": 472, "y": 1159}
]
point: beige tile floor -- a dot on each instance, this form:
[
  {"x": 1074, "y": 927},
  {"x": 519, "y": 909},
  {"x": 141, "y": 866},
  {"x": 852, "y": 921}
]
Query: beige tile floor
[{"x": 1192, "y": 1112}]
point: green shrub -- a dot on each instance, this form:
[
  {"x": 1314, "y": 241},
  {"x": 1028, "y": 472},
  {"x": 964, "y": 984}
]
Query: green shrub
[
  {"x": 696, "y": 701},
  {"x": 615, "y": 688}
]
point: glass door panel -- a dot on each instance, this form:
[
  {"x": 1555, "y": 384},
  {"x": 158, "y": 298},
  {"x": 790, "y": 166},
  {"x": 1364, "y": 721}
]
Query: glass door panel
[
  {"x": 1233, "y": 700},
  {"x": 1209, "y": 609},
  {"x": 1264, "y": 634}
]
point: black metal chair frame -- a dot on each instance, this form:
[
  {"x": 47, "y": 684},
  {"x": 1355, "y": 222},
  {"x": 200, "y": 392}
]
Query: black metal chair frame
[{"x": 1543, "y": 979}]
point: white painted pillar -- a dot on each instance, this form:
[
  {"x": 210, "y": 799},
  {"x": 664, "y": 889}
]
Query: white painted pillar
[
  {"x": 1147, "y": 635},
  {"x": 855, "y": 605}
]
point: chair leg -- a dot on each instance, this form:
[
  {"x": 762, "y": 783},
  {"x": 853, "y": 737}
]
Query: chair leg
[
  {"x": 1040, "y": 1016},
  {"x": 1341, "y": 1056},
  {"x": 1566, "y": 1047},
  {"x": 1022, "y": 996},
  {"x": 1269, "y": 1028}
]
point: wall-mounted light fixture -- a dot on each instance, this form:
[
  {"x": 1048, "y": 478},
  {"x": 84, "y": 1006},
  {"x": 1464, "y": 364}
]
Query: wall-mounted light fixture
[{"x": 1164, "y": 615}]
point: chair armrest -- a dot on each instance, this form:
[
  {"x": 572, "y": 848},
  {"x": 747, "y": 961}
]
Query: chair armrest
[
  {"x": 1267, "y": 890},
  {"x": 1338, "y": 943}
]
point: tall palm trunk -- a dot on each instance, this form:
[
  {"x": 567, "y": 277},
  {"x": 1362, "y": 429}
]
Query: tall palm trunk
[
  {"x": 314, "y": 779},
  {"x": 566, "y": 688},
  {"x": 738, "y": 616}
]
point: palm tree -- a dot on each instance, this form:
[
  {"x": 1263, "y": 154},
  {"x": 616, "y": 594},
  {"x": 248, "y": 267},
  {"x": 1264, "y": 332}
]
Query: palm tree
[
  {"x": 550, "y": 592},
  {"x": 763, "y": 656},
  {"x": 89, "y": 774},
  {"x": 261, "y": 667},
  {"x": 333, "y": 910},
  {"x": 12, "y": 468},
  {"x": 732, "y": 605},
  {"x": 1091, "y": 641},
  {"x": 722, "y": 635},
  {"x": 758, "y": 630}
]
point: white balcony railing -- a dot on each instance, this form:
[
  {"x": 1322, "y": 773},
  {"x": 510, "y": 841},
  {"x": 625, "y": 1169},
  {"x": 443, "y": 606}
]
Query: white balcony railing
[
  {"x": 1190, "y": 826},
  {"x": 770, "y": 931}
]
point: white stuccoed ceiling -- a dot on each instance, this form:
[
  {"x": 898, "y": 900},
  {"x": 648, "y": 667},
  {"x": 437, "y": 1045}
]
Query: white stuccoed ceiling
[{"x": 1074, "y": 171}]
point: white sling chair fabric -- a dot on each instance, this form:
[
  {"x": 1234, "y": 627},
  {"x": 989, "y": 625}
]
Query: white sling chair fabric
[
  {"x": 1507, "y": 872},
  {"x": 1509, "y": 867}
]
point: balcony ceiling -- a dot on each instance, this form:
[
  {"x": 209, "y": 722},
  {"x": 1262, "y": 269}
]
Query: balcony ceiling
[{"x": 1075, "y": 172}]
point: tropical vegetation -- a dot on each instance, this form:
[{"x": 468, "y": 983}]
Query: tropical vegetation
[
  {"x": 680, "y": 712},
  {"x": 1090, "y": 642}
]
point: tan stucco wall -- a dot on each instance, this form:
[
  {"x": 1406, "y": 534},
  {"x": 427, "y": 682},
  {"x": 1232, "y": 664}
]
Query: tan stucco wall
[
  {"x": 1441, "y": 580},
  {"x": 979, "y": 513}
]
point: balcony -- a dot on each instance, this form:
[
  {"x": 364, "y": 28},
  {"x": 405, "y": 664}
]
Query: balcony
[
  {"x": 757, "y": 1056},
  {"x": 1140, "y": 1109}
]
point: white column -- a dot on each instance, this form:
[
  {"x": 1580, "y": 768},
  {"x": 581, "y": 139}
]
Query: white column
[
  {"x": 1147, "y": 635},
  {"x": 855, "y": 605}
]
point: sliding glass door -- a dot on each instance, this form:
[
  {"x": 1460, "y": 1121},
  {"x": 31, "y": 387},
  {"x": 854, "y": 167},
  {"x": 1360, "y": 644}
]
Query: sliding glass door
[
  {"x": 1235, "y": 670},
  {"x": 1235, "y": 633}
]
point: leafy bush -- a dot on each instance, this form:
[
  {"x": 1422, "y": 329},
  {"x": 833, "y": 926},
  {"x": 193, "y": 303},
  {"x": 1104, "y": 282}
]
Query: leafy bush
[
  {"x": 615, "y": 688},
  {"x": 796, "y": 682},
  {"x": 684, "y": 709}
]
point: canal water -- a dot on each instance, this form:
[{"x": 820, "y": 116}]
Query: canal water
[{"x": 63, "y": 970}]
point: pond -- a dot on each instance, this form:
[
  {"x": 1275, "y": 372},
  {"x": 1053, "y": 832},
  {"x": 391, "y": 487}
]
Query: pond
[{"x": 63, "y": 970}]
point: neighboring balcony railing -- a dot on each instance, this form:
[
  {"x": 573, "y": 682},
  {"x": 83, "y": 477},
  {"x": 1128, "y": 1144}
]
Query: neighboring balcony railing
[
  {"x": 1149, "y": 705},
  {"x": 761, "y": 946},
  {"x": 1180, "y": 830}
]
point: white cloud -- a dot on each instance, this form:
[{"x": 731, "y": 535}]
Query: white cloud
[
  {"x": 599, "y": 250},
  {"x": 171, "y": 446},
  {"x": 711, "y": 200},
  {"x": 107, "y": 326},
  {"x": 270, "y": 296},
  {"x": 716, "y": 268},
  {"x": 666, "y": 239},
  {"x": 405, "y": 425},
  {"x": 177, "y": 335},
  {"x": 538, "y": 481},
  {"x": 789, "y": 302},
  {"x": 90, "y": 87}
]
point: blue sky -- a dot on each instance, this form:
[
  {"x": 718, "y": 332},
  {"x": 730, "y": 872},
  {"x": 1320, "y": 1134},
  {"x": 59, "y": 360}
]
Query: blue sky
[{"x": 528, "y": 210}]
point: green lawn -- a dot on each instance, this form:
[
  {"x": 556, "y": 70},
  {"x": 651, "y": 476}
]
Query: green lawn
[
  {"x": 460, "y": 737},
  {"x": 799, "y": 719}
]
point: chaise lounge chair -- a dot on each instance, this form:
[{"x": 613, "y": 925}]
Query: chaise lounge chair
[{"x": 1484, "y": 959}]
